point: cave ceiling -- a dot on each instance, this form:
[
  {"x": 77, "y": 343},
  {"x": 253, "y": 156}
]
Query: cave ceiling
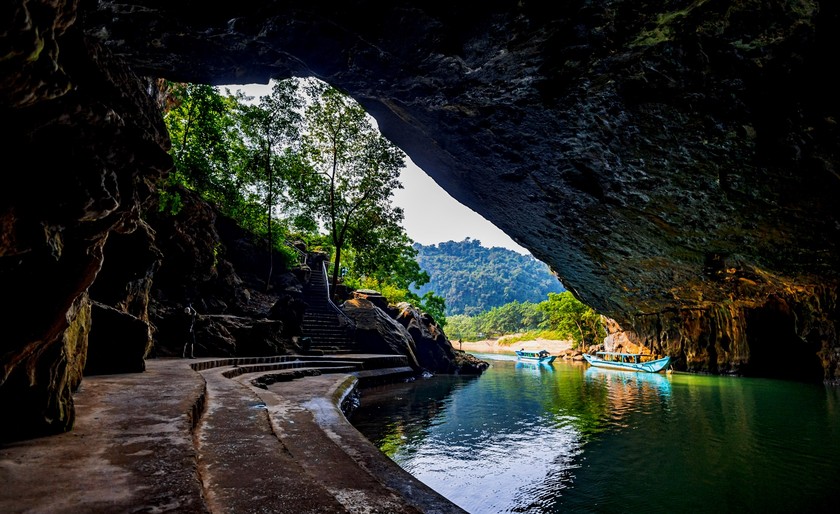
[{"x": 657, "y": 155}]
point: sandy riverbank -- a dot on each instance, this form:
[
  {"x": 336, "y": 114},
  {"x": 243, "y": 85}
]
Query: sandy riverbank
[{"x": 554, "y": 347}]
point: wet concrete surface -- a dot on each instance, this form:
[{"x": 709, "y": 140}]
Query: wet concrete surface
[{"x": 173, "y": 439}]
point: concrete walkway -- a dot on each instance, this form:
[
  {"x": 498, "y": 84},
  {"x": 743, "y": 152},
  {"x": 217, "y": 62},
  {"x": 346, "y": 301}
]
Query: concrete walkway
[{"x": 208, "y": 440}]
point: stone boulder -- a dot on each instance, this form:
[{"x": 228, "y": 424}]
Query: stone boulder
[
  {"x": 376, "y": 332},
  {"x": 227, "y": 335},
  {"x": 433, "y": 349},
  {"x": 404, "y": 329},
  {"x": 118, "y": 342},
  {"x": 375, "y": 297}
]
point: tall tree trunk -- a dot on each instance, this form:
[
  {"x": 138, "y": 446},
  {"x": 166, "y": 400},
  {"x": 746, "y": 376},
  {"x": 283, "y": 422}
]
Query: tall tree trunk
[
  {"x": 268, "y": 208},
  {"x": 336, "y": 265},
  {"x": 582, "y": 337}
]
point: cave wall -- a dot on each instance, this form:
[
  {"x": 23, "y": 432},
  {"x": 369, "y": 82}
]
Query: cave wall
[
  {"x": 83, "y": 145},
  {"x": 666, "y": 159},
  {"x": 674, "y": 162}
]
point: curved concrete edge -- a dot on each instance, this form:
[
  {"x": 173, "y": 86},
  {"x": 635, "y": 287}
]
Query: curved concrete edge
[
  {"x": 134, "y": 448},
  {"x": 370, "y": 458},
  {"x": 321, "y": 397}
]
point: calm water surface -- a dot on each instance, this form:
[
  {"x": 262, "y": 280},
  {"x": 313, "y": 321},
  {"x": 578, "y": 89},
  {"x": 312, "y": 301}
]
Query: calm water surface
[{"x": 571, "y": 438}]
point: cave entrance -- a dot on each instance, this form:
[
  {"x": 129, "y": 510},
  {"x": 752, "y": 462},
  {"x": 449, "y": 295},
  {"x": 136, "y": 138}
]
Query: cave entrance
[
  {"x": 431, "y": 214},
  {"x": 776, "y": 350}
]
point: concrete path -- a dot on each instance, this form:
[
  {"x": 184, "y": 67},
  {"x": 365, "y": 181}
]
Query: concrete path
[{"x": 173, "y": 439}]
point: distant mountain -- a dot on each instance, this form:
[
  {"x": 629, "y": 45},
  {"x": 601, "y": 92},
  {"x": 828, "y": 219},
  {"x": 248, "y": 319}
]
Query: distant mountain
[{"x": 473, "y": 278}]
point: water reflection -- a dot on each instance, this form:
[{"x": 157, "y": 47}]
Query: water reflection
[
  {"x": 538, "y": 367},
  {"x": 572, "y": 438},
  {"x": 643, "y": 382}
]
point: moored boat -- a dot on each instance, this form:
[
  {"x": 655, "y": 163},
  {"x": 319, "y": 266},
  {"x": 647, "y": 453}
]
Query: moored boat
[
  {"x": 626, "y": 361},
  {"x": 541, "y": 356}
]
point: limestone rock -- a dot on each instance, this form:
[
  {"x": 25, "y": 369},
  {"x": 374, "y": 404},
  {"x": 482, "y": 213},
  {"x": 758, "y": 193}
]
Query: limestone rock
[
  {"x": 676, "y": 168},
  {"x": 434, "y": 350},
  {"x": 668, "y": 164},
  {"x": 376, "y": 332}
]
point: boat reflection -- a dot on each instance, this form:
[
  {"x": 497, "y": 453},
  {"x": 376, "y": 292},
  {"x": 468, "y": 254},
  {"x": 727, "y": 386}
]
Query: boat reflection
[
  {"x": 535, "y": 367},
  {"x": 618, "y": 379}
]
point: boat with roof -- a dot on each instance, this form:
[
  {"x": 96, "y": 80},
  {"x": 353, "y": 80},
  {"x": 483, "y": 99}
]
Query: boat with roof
[
  {"x": 542, "y": 356},
  {"x": 627, "y": 361}
]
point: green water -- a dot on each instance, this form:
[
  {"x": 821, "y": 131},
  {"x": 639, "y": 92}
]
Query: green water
[{"x": 571, "y": 438}]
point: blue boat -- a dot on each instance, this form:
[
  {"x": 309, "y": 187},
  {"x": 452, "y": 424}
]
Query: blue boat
[
  {"x": 626, "y": 361},
  {"x": 542, "y": 356}
]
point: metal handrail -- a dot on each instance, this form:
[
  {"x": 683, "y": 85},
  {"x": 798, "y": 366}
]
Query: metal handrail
[
  {"x": 335, "y": 307},
  {"x": 301, "y": 253}
]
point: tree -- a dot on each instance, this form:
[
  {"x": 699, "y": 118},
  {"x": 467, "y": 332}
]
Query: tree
[
  {"x": 354, "y": 171},
  {"x": 272, "y": 135},
  {"x": 474, "y": 278},
  {"x": 567, "y": 314},
  {"x": 201, "y": 126}
]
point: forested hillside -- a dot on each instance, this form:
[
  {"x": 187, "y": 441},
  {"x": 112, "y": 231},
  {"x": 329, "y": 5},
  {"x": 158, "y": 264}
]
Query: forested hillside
[{"x": 474, "y": 279}]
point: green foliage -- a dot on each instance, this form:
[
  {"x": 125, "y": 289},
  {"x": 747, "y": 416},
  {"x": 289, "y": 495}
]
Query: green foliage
[
  {"x": 271, "y": 132},
  {"x": 435, "y": 306},
  {"x": 506, "y": 319},
  {"x": 303, "y": 159},
  {"x": 202, "y": 127},
  {"x": 531, "y": 335},
  {"x": 561, "y": 316},
  {"x": 569, "y": 315},
  {"x": 350, "y": 175},
  {"x": 474, "y": 279}
]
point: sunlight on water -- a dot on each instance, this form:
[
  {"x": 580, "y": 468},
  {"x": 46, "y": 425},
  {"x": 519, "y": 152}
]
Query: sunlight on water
[{"x": 570, "y": 438}]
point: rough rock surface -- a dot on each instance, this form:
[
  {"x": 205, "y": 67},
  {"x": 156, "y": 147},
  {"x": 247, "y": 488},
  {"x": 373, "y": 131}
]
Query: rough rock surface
[
  {"x": 377, "y": 332},
  {"x": 675, "y": 163},
  {"x": 210, "y": 263},
  {"x": 404, "y": 330},
  {"x": 433, "y": 349}
]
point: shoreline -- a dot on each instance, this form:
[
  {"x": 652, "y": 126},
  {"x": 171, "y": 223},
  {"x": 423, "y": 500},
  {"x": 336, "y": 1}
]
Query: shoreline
[{"x": 552, "y": 346}]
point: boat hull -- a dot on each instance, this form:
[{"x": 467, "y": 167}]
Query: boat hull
[
  {"x": 548, "y": 359},
  {"x": 654, "y": 366}
]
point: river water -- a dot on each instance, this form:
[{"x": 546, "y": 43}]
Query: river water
[{"x": 567, "y": 437}]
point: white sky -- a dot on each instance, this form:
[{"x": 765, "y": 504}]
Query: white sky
[{"x": 431, "y": 215}]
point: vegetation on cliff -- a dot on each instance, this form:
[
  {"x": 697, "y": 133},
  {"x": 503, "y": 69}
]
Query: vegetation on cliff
[
  {"x": 473, "y": 278},
  {"x": 302, "y": 163},
  {"x": 561, "y": 316}
]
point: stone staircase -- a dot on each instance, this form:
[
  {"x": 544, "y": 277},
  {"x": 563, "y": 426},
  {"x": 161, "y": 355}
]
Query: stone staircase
[{"x": 325, "y": 330}]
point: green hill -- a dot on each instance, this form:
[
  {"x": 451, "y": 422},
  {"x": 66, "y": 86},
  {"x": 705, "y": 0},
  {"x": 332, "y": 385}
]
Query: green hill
[{"x": 473, "y": 278}]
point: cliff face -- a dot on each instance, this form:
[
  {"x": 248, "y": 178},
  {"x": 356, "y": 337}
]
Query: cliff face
[{"x": 675, "y": 163}]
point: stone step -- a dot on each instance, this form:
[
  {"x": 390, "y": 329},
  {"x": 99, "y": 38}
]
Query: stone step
[
  {"x": 265, "y": 380},
  {"x": 315, "y": 334},
  {"x": 191, "y": 440},
  {"x": 288, "y": 365},
  {"x": 239, "y": 480}
]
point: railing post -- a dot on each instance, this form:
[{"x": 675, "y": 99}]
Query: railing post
[{"x": 335, "y": 307}]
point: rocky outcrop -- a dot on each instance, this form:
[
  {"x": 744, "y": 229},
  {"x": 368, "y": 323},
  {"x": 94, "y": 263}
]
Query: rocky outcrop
[
  {"x": 433, "y": 349},
  {"x": 405, "y": 330},
  {"x": 670, "y": 163},
  {"x": 87, "y": 146},
  {"x": 218, "y": 268},
  {"x": 377, "y": 332},
  {"x": 676, "y": 165}
]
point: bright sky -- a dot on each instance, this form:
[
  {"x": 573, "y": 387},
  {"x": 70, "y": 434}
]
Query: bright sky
[{"x": 431, "y": 215}]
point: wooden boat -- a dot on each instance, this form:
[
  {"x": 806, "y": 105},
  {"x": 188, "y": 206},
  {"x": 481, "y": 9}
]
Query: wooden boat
[
  {"x": 541, "y": 356},
  {"x": 627, "y": 361}
]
